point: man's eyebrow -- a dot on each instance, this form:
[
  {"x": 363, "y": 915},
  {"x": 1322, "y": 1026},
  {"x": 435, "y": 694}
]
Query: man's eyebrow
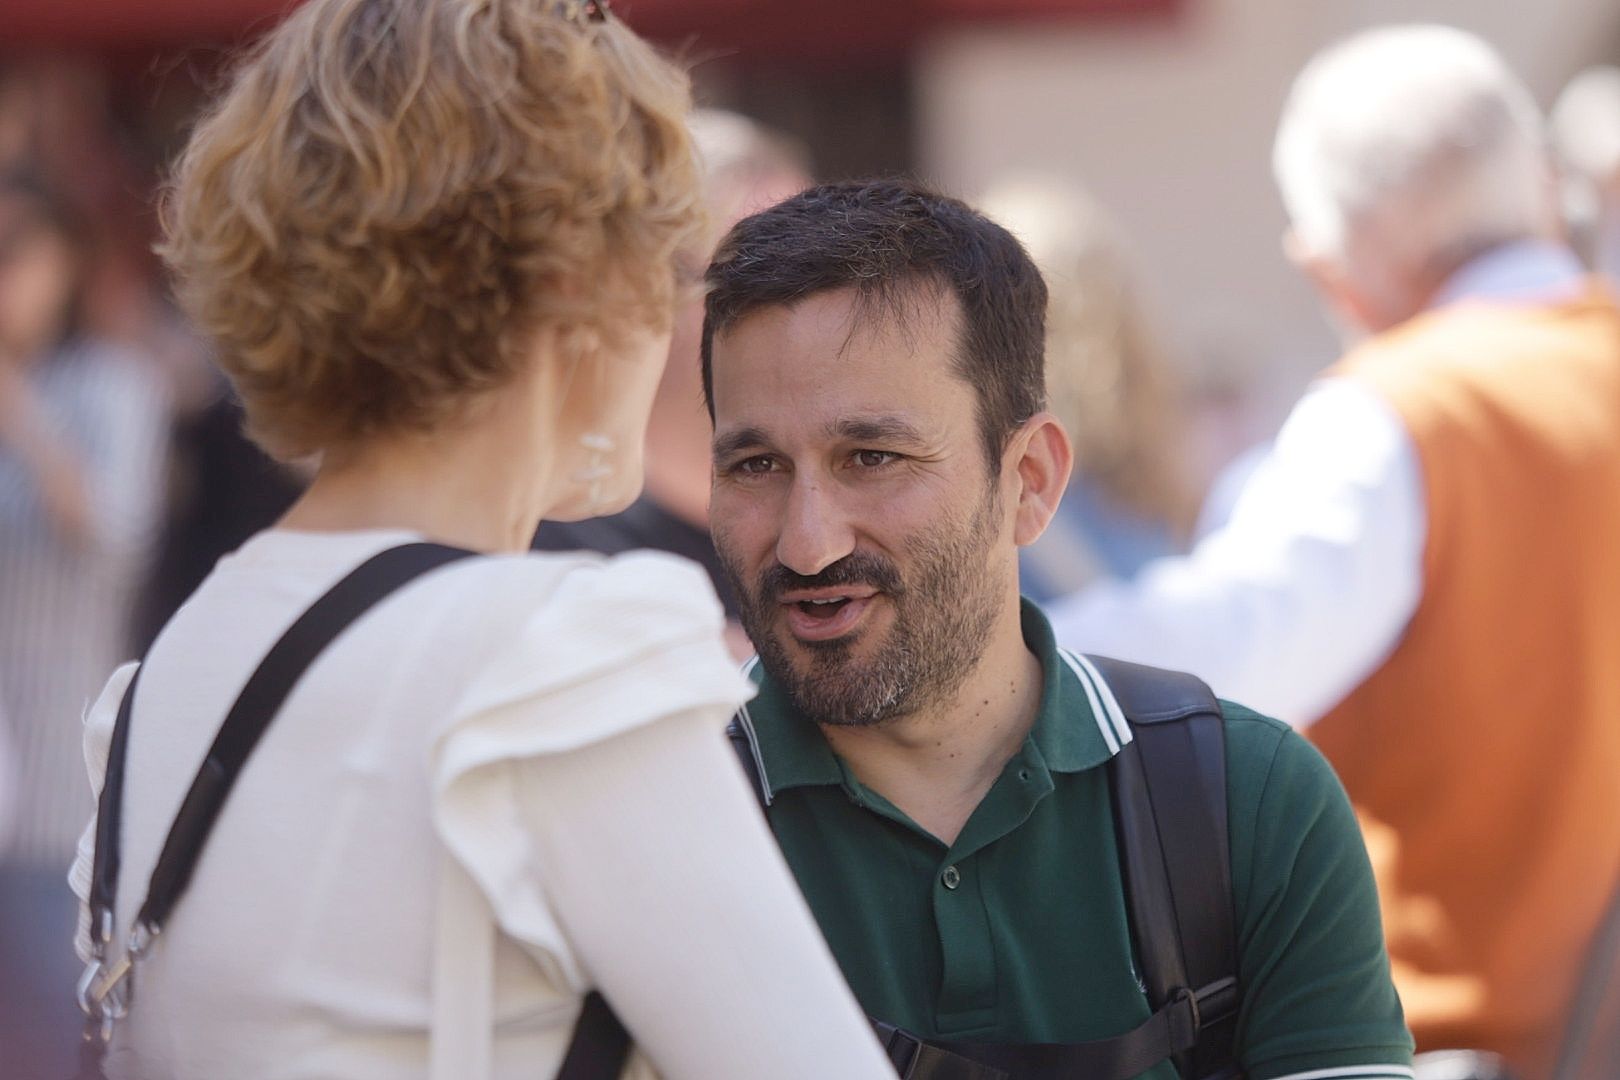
[
  {"x": 735, "y": 441},
  {"x": 874, "y": 429}
]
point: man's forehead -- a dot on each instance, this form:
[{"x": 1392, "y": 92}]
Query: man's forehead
[
  {"x": 841, "y": 342},
  {"x": 818, "y": 371},
  {"x": 907, "y": 315},
  {"x": 888, "y": 429}
]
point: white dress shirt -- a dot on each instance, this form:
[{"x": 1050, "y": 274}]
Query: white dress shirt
[{"x": 1310, "y": 584}]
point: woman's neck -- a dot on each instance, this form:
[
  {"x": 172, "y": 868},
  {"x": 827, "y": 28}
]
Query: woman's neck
[{"x": 482, "y": 484}]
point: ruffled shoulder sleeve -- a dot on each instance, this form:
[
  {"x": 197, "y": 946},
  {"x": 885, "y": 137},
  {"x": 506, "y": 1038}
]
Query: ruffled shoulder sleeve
[{"x": 616, "y": 644}]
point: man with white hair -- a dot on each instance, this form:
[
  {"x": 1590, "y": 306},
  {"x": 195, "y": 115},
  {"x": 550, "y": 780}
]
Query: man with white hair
[
  {"x": 1423, "y": 573},
  {"x": 1586, "y": 134}
]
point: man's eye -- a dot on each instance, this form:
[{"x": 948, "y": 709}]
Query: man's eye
[
  {"x": 875, "y": 459},
  {"x": 754, "y": 466}
]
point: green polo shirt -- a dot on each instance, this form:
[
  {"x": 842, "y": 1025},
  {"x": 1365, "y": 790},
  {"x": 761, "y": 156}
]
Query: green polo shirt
[{"x": 1018, "y": 931}]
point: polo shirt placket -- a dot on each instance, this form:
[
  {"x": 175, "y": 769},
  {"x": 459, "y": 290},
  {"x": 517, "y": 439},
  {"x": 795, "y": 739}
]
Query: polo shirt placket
[{"x": 962, "y": 917}]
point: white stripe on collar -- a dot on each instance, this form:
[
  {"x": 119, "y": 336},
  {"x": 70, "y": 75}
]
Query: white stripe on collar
[
  {"x": 746, "y": 718},
  {"x": 1116, "y": 732}
]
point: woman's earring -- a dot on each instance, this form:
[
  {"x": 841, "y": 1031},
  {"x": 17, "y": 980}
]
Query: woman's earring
[{"x": 597, "y": 466}]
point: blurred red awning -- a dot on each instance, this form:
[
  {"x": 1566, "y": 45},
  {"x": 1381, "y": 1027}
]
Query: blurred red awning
[{"x": 778, "y": 27}]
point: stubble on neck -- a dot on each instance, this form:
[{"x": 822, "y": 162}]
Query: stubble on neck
[{"x": 937, "y": 761}]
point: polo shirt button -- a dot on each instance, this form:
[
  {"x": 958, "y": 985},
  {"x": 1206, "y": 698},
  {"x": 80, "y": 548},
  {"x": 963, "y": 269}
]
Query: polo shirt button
[{"x": 951, "y": 878}]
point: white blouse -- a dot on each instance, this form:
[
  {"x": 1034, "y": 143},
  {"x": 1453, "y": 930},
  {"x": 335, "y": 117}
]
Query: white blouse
[{"x": 556, "y": 721}]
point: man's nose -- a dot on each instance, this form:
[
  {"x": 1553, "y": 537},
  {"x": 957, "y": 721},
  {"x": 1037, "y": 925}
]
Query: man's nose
[{"x": 815, "y": 533}]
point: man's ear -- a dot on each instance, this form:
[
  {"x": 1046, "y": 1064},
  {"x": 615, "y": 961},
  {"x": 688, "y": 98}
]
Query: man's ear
[
  {"x": 1322, "y": 273},
  {"x": 1042, "y": 461},
  {"x": 1350, "y": 308}
]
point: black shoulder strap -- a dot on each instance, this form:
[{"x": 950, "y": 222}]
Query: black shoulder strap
[
  {"x": 251, "y": 714},
  {"x": 600, "y": 1044},
  {"x": 1169, "y": 788}
]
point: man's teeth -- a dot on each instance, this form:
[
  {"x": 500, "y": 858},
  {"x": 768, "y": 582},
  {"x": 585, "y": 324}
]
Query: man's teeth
[{"x": 834, "y": 600}]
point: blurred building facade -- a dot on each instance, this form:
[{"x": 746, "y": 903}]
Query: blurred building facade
[
  {"x": 1164, "y": 109},
  {"x": 1169, "y": 122}
]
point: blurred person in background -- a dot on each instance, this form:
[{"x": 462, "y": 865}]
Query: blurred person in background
[
  {"x": 1110, "y": 385},
  {"x": 436, "y": 246},
  {"x": 61, "y": 116},
  {"x": 746, "y": 168},
  {"x": 1586, "y": 136},
  {"x": 81, "y": 465},
  {"x": 1422, "y": 573},
  {"x": 221, "y": 489}
]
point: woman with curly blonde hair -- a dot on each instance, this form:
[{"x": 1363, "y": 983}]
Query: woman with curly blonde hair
[{"x": 435, "y": 243}]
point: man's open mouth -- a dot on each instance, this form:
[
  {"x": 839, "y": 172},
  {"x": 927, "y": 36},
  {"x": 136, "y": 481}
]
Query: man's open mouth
[
  {"x": 823, "y": 609},
  {"x": 825, "y": 614}
]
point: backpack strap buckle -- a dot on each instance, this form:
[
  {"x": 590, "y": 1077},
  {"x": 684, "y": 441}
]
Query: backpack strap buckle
[
  {"x": 900, "y": 1047},
  {"x": 1189, "y": 1011},
  {"x": 1216, "y": 1002}
]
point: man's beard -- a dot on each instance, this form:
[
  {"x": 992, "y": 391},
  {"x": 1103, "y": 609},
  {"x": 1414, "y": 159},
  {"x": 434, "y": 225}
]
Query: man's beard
[{"x": 943, "y": 612}]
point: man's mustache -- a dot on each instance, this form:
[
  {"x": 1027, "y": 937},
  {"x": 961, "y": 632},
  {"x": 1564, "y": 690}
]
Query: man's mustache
[{"x": 855, "y": 569}]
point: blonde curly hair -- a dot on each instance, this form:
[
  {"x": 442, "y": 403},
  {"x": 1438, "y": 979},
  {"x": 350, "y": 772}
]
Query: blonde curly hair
[{"x": 393, "y": 196}]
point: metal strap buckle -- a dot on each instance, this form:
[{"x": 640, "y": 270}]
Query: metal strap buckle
[{"x": 106, "y": 990}]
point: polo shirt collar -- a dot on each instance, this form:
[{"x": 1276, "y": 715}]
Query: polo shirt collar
[{"x": 1077, "y": 727}]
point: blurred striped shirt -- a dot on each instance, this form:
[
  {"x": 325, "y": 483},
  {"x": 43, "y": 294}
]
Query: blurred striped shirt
[{"x": 65, "y": 610}]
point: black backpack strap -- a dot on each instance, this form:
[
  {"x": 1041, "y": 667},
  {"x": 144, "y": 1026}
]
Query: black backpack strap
[
  {"x": 1170, "y": 1031},
  {"x": 1169, "y": 786}
]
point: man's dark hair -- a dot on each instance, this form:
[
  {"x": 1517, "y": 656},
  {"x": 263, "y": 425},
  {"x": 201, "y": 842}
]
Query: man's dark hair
[{"x": 885, "y": 238}]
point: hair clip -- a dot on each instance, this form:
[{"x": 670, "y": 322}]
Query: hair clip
[{"x": 580, "y": 12}]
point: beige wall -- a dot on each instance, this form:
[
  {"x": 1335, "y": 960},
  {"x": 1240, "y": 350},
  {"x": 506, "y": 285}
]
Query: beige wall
[{"x": 1170, "y": 125}]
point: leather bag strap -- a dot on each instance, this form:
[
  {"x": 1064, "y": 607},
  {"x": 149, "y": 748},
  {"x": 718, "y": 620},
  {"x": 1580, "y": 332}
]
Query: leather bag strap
[{"x": 1169, "y": 787}]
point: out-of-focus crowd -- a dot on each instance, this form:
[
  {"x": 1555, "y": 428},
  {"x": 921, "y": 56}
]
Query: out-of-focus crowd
[{"x": 123, "y": 475}]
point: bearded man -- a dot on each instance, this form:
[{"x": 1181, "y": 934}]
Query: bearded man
[{"x": 936, "y": 770}]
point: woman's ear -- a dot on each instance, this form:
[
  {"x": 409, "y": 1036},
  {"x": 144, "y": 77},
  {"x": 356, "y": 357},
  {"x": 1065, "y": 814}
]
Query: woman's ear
[{"x": 1042, "y": 463}]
